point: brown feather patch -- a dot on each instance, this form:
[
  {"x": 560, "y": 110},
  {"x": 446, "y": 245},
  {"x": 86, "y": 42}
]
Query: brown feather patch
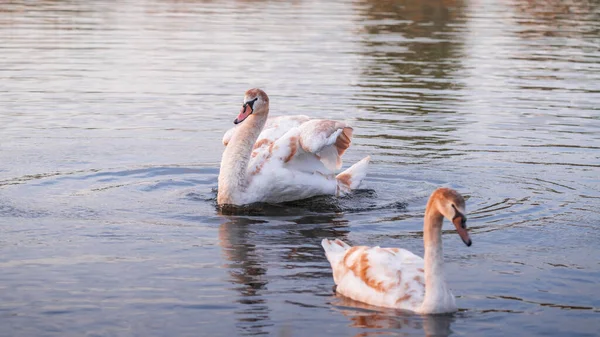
[
  {"x": 348, "y": 253},
  {"x": 405, "y": 297},
  {"x": 445, "y": 194},
  {"x": 419, "y": 280},
  {"x": 302, "y": 145},
  {"x": 360, "y": 268},
  {"x": 260, "y": 166},
  {"x": 293, "y": 149},
  {"x": 343, "y": 141},
  {"x": 345, "y": 178},
  {"x": 261, "y": 142}
]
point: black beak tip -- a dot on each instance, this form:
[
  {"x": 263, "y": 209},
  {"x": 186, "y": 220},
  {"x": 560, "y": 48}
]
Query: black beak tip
[
  {"x": 468, "y": 243},
  {"x": 236, "y": 121}
]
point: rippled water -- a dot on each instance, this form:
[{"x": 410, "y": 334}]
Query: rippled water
[{"x": 112, "y": 116}]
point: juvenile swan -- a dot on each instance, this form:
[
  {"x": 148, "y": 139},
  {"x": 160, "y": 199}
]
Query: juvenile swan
[
  {"x": 283, "y": 158},
  {"x": 397, "y": 278}
]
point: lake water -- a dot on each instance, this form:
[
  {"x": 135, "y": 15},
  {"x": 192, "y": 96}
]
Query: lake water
[{"x": 111, "y": 122}]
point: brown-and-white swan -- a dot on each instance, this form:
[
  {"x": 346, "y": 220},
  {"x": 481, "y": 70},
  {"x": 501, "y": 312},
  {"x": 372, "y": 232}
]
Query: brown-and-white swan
[
  {"x": 283, "y": 158},
  {"x": 397, "y": 278}
]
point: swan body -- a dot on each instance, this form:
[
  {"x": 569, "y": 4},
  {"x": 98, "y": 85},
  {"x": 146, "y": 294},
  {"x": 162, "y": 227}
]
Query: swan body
[
  {"x": 397, "y": 278},
  {"x": 284, "y": 158}
]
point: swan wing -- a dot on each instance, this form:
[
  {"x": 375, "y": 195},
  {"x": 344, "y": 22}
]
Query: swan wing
[
  {"x": 274, "y": 128},
  {"x": 386, "y": 277},
  {"x": 315, "y": 146},
  {"x": 273, "y": 177},
  {"x": 327, "y": 140}
]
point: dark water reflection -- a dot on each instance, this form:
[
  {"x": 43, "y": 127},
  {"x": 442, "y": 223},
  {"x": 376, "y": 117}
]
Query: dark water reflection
[
  {"x": 239, "y": 238},
  {"x": 412, "y": 49},
  {"x": 249, "y": 272},
  {"x": 111, "y": 121}
]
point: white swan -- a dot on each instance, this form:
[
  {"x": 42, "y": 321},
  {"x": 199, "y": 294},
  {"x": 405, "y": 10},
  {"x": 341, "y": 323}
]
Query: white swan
[
  {"x": 284, "y": 158},
  {"x": 397, "y": 278}
]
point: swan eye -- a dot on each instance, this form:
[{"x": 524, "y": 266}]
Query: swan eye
[{"x": 455, "y": 209}]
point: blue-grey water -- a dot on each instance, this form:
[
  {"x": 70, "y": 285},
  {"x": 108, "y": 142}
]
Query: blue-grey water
[{"x": 111, "y": 118}]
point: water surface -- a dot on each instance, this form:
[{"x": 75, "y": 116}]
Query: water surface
[{"x": 111, "y": 123}]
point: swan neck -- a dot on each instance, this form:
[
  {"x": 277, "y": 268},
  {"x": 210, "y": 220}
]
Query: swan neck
[
  {"x": 435, "y": 284},
  {"x": 234, "y": 164}
]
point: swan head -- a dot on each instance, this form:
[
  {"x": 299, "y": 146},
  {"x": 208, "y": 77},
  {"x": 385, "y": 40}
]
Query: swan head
[
  {"x": 256, "y": 102},
  {"x": 452, "y": 206}
]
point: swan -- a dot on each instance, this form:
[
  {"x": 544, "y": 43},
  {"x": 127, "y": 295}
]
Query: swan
[
  {"x": 397, "y": 278},
  {"x": 283, "y": 158}
]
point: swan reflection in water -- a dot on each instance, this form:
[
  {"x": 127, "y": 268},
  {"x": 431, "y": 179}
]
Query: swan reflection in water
[
  {"x": 365, "y": 316},
  {"x": 248, "y": 272},
  {"x": 243, "y": 239}
]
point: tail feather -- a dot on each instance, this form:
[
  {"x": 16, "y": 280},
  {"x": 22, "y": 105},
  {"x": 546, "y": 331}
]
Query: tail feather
[
  {"x": 350, "y": 179},
  {"x": 334, "y": 250}
]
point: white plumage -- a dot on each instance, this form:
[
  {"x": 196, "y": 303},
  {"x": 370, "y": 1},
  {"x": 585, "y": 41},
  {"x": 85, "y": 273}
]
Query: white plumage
[{"x": 284, "y": 158}]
